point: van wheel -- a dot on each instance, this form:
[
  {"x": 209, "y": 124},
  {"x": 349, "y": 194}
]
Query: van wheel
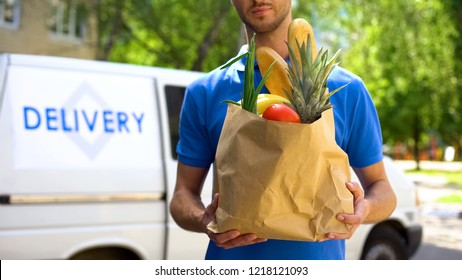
[
  {"x": 112, "y": 253},
  {"x": 384, "y": 243}
]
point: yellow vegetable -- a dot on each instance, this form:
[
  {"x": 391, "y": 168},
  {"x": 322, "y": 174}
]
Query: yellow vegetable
[
  {"x": 278, "y": 81},
  {"x": 265, "y": 100}
]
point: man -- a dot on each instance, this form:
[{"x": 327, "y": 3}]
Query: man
[{"x": 357, "y": 133}]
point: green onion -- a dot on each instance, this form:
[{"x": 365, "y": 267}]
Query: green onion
[{"x": 250, "y": 94}]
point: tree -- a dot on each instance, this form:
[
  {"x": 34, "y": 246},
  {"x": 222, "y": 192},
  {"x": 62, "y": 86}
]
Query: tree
[
  {"x": 196, "y": 35},
  {"x": 407, "y": 52},
  {"x": 451, "y": 126},
  {"x": 110, "y": 26},
  {"x": 405, "y": 55},
  {"x": 193, "y": 35}
]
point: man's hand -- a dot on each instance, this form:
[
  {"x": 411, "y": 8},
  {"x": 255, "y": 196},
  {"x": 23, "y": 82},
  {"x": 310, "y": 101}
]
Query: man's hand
[
  {"x": 373, "y": 203},
  {"x": 355, "y": 219},
  {"x": 228, "y": 239}
]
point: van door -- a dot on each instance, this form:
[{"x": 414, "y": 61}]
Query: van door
[{"x": 181, "y": 244}]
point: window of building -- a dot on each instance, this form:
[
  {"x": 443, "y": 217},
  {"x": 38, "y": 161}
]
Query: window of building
[
  {"x": 174, "y": 96},
  {"x": 68, "y": 19},
  {"x": 9, "y": 13}
]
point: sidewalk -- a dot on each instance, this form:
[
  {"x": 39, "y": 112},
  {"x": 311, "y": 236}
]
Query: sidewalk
[
  {"x": 430, "y": 188},
  {"x": 442, "y": 221}
]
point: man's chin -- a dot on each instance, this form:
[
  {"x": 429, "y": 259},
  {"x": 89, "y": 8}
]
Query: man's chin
[{"x": 262, "y": 25}]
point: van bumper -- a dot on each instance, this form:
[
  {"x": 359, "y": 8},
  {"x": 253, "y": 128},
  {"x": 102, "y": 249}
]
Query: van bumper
[{"x": 414, "y": 235}]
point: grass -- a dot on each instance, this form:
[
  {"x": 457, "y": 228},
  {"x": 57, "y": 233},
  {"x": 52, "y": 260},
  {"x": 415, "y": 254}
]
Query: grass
[
  {"x": 451, "y": 199},
  {"x": 452, "y": 177}
]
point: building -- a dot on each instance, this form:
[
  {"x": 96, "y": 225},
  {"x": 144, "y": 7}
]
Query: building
[{"x": 48, "y": 27}]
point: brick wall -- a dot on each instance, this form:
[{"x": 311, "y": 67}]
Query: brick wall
[{"x": 33, "y": 37}]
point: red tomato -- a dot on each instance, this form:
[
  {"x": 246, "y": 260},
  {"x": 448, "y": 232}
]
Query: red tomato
[{"x": 282, "y": 113}]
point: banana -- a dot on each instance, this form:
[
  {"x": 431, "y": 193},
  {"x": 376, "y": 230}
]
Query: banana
[
  {"x": 265, "y": 100},
  {"x": 278, "y": 79}
]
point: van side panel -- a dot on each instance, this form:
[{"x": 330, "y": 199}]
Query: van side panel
[
  {"x": 58, "y": 231},
  {"x": 81, "y": 159}
]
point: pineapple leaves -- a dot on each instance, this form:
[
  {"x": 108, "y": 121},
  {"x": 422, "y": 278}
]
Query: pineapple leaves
[{"x": 309, "y": 94}]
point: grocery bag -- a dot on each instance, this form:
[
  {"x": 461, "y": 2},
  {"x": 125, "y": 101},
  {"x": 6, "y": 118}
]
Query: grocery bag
[{"x": 280, "y": 180}]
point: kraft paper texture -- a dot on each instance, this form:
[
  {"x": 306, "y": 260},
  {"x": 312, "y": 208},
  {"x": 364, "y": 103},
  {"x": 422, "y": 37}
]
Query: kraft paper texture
[{"x": 280, "y": 180}]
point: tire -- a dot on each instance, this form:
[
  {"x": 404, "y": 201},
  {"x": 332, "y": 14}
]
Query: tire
[
  {"x": 106, "y": 254},
  {"x": 384, "y": 243}
]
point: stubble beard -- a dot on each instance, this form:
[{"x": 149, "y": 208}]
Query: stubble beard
[
  {"x": 259, "y": 25},
  {"x": 262, "y": 27}
]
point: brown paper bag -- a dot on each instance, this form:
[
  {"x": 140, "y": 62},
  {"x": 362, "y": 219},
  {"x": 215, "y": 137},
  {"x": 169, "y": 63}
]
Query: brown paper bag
[{"x": 280, "y": 180}]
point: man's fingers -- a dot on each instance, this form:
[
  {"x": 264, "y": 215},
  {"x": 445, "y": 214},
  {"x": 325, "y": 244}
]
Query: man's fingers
[
  {"x": 355, "y": 189},
  {"x": 221, "y": 238},
  {"x": 214, "y": 204},
  {"x": 354, "y": 219},
  {"x": 209, "y": 214},
  {"x": 349, "y": 219},
  {"x": 212, "y": 208},
  {"x": 233, "y": 239},
  {"x": 242, "y": 240},
  {"x": 337, "y": 236}
]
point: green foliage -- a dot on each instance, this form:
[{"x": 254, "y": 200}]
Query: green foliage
[
  {"x": 451, "y": 198},
  {"x": 405, "y": 54},
  {"x": 409, "y": 53},
  {"x": 451, "y": 177},
  {"x": 451, "y": 126},
  {"x": 176, "y": 34}
]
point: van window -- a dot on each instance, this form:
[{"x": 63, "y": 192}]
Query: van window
[{"x": 174, "y": 97}]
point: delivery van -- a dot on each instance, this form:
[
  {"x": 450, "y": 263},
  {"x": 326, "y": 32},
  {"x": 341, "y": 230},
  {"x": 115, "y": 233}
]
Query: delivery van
[{"x": 88, "y": 165}]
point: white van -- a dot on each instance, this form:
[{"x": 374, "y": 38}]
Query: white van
[{"x": 88, "y": 164}]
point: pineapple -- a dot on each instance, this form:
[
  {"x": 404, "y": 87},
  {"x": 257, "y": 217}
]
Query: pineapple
[{"x": 308, "y": 74}]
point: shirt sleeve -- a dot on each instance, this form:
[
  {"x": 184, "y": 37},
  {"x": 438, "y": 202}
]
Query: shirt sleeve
[
  {"x": 364, "y": 145},
  {"x": 193, "y": 147}
]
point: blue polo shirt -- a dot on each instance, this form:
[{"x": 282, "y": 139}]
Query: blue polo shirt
[{"x": 357, "y": 132}]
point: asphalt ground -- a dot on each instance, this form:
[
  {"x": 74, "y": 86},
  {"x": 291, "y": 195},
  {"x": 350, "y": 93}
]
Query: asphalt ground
[{"x": 442, "y": 222}]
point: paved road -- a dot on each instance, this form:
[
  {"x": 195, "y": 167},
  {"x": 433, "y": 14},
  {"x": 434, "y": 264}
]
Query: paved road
[{"x": 442, "y": 239}]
